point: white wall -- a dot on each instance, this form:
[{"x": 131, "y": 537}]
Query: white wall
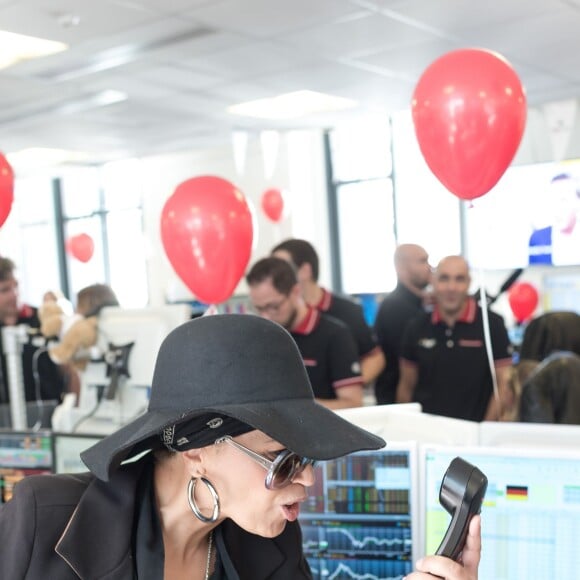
[{"x": 299, "y": 172}]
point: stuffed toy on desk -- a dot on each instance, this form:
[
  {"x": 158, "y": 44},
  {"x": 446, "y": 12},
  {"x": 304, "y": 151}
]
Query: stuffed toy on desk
[{"x": 76, "y": 333}]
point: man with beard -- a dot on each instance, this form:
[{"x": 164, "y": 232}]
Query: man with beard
[
  {"x": 396, "y": 310},
  {"x": 302, "y": 255},
  {"x": 51, "y": 382},
  {"x": 326, "y": 345},
  {"x": 444, "y": 363}
]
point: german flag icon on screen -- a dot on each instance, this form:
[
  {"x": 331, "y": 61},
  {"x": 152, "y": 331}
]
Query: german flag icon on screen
[{"x": 519, "y": 492}]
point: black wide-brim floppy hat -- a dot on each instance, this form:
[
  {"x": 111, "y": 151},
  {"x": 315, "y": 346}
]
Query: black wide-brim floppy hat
[{"x": 242, "y": 366}]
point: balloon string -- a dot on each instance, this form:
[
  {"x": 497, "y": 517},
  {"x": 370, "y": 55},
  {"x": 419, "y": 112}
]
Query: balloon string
[
  {"x": 487, "y": 337},
  {"x": 485, "y": 324}
]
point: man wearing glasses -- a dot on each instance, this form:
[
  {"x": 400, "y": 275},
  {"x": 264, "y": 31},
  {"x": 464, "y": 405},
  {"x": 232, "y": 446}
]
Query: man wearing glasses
[
  {"x": 302, "y": 255},
  {"x": 327, "y": 346}
]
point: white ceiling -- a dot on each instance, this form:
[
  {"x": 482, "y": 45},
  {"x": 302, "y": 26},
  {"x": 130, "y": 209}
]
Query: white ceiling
[{"x": 182, "y": 62}]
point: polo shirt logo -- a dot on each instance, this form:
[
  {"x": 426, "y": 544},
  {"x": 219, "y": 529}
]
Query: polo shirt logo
[
  {"x": 309, "y": 362},
  {"x": 427, "y": 342},
  {"x": 470, "y": 343}
]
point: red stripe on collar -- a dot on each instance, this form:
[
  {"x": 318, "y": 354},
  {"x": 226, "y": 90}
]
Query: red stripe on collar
[
  {"x": 325, "y": 301},
  {"x": 309, "y": 323},
  {"x": 467, "y": 314}
]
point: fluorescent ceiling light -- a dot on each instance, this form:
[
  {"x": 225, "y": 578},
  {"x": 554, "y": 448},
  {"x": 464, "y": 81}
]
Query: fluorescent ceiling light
[
  {"x": 292, "y": 105},
  {"x": 35, "y": 157},
  {"x": 18, "y": 47}
]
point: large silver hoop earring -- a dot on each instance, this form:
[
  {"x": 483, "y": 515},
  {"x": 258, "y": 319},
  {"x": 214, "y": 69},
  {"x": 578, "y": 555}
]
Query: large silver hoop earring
[{"x": 191, "y": 499}]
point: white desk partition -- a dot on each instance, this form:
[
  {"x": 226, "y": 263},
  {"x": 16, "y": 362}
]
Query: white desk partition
[
  {"x": 500, "y": 434},
  {"x": 399, "y": 425}
]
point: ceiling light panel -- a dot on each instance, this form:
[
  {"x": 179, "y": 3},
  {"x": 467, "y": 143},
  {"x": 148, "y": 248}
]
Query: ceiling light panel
[
  {"x": 292, "y": 105},
  {"x": 19, "y": 47},
  {"x": 43, "y": 18}
]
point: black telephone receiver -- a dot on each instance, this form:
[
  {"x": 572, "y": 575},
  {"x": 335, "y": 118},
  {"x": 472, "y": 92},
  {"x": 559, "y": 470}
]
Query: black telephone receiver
[{"x": 461, "y": 494}]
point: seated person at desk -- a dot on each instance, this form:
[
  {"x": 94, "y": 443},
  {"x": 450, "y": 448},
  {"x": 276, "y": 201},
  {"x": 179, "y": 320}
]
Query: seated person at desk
[
  {"x": 551, "y": 391},
  {"x": 74, "y": 334},
  {"x": 51, "y": 381},
  {"x": 327, "y": 347},
  {"x": 230, "y": 455}
]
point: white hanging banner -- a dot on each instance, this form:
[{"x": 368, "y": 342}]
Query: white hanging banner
[
  {"x": 270, "y": 141},
  {"x": 240, "y": 149},
  {"x": 560, "y": 117}
]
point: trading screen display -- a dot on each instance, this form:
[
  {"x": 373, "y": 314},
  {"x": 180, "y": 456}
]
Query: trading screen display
[
  {"x": 530, "y": 514},
  {"x": 23, "y": 454},
  {"x": 358, "y": 522}
]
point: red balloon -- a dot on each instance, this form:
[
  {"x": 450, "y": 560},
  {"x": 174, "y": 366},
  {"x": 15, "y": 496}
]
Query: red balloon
[
  {"x": 469, "y": 112},
  {"x": 523, "y": 299},
  {"x": 80, "y": 247},
  {"x": 273, "y": 204},
  {"x": 6, "y": 189},
  {"x": 206, "y": 230}
]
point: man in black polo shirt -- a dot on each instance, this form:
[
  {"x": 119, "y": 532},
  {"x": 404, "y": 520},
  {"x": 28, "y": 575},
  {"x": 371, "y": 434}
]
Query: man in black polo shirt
[
  {"x": 302, "y": 255},
  {"x": 396, "y": 310},
  {"x": 444, "y": 364},
  {"x": 12, "y": 313},
  {"x": 326, "y": 345}
]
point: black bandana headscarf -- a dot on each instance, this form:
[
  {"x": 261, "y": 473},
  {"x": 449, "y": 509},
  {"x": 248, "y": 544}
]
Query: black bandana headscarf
[{"x": 201, "y": 431}]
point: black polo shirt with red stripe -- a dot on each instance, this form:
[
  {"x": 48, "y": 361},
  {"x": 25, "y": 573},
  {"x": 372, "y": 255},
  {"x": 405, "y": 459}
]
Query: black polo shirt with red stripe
[
  {"x": 454, "y": 375},
  {"x": 51, "y": 379},
  {"x": 329, "y": 354},
  {"x": 351, "y": 313}
]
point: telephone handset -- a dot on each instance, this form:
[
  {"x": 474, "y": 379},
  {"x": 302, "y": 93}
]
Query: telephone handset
[{"x": 461, "y": 494}]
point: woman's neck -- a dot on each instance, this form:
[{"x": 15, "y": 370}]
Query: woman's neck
[{"x": 185, "y": 538}]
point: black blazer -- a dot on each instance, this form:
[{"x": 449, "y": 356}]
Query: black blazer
[{"x": 66, "y": 527}]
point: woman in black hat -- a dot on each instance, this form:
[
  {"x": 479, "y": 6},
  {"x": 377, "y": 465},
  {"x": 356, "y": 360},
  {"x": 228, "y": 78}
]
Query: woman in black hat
[{"x": 232, "y": 429}]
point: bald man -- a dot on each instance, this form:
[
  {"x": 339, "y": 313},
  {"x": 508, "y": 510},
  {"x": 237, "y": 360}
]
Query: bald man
[
  {"x": 400, "y": 306},
  {"x": 444, "y": 364}
]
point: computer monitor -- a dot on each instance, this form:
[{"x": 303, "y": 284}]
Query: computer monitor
[
  {"x": 67, "y": 449},
  {"x": 530, "y": 514},
  {"x": 127, "y": 347},
  {"x": 361, "y": 519},
  {"x": 561, "y": 291},
  {"x": 23, "y": 453}
]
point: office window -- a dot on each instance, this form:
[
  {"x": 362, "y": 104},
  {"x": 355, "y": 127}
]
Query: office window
[
  {"x": 34, "y": 247},
  {"x": 105, "y": 203},
  {"x": 363, "y": 219},
  {"x": 361, "y": 151},
  {"x": 367, "y": 236}
]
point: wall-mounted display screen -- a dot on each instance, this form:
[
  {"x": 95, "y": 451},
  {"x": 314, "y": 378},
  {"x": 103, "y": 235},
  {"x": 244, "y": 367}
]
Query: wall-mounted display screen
[{"x": 531, "y": 217}]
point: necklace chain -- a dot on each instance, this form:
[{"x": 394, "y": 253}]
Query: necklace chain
[{"x": 208, "y": 562}]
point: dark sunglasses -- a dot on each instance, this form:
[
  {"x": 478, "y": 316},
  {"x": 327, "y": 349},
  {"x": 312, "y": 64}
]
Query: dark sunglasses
[{"x": 281, "y": 471}]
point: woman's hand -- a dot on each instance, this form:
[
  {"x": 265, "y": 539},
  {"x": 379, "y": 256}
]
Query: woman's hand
[{"x": 446, "y": 568}]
